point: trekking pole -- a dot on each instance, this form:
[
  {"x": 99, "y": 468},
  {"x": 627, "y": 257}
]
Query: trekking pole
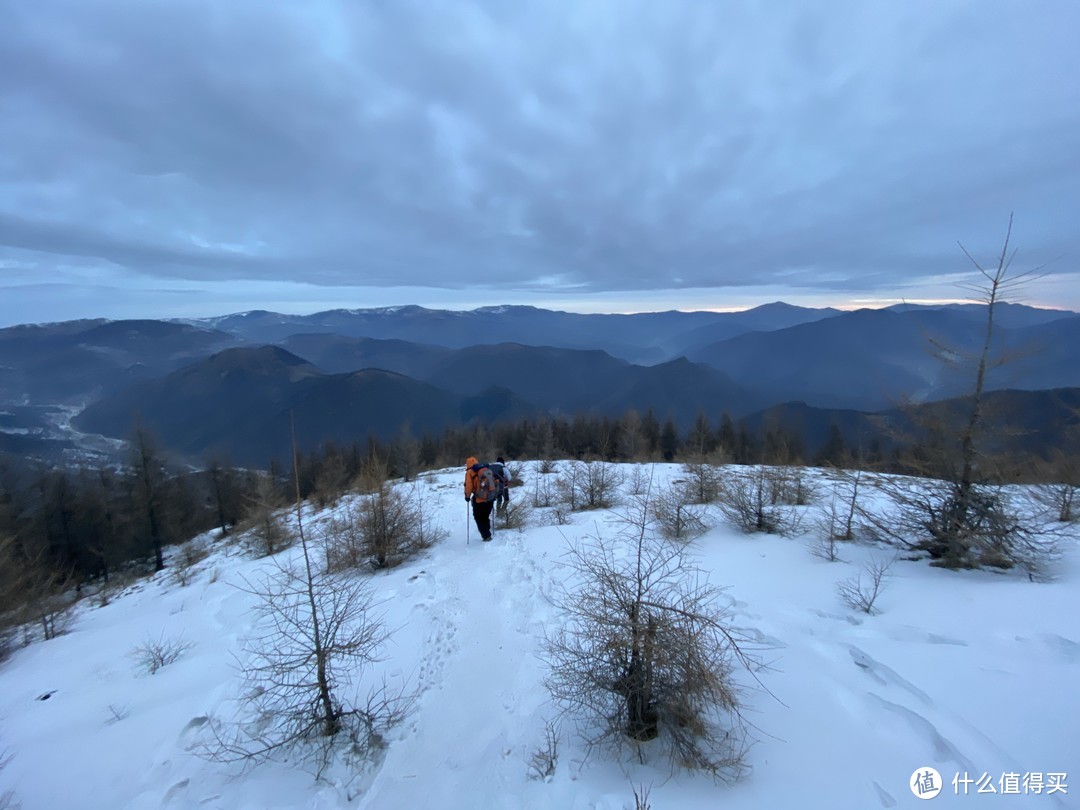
[{"x": 468, "y": 528}]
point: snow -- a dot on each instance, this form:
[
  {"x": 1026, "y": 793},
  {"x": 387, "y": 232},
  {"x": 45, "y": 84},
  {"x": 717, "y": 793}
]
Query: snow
[{"x": 970, "y": 672}]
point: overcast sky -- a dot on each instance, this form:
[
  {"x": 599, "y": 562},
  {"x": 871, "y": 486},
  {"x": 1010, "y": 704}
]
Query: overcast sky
[{"x": 180, "y": 158}]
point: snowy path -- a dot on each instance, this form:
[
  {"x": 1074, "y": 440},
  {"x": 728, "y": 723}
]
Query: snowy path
[{"x": 478, "y": 616}]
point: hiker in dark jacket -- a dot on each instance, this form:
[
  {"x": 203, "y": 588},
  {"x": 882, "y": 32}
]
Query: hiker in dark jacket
[
  {"x": 503, "y": 500},
  {"x": 481, "y": 506}
]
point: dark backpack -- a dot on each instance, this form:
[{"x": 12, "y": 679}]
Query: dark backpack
[{"x": 502, "y": 477}]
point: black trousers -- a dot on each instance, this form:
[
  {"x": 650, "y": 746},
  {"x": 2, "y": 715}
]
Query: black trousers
[{"x": 481, "y": 511}]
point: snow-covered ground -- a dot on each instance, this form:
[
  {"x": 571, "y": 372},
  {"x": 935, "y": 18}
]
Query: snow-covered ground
[{"x": 970, "y": 673}]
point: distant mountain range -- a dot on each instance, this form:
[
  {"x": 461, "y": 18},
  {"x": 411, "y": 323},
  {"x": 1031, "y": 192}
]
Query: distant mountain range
[
  {"x": 646, "y": 338},
  {"x": 226, "y": 385}
]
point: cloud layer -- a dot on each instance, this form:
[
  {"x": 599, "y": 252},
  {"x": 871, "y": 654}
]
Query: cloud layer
[{"x": 540, "y": 149}]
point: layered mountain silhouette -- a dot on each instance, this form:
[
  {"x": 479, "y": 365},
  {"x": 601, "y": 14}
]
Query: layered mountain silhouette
[
  {"x": 237, "y": 404},
  {"x": 79, "y": 360},
  {"x": 227, "y": 384},
  {"x": 341, "y": 353},
  {"x": 649, "y": 337},
  {"x": 873, "y": 359}
]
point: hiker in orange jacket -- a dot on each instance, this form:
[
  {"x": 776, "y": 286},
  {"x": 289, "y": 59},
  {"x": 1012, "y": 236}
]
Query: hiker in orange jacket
[{"x": 481, "y": 507}]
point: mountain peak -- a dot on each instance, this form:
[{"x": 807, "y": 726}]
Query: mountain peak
[{"x": 260, "y": 358}]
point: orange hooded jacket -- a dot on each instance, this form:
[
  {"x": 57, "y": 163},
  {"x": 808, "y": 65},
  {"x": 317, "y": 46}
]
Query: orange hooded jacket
[{"x": 472, "y": 485}]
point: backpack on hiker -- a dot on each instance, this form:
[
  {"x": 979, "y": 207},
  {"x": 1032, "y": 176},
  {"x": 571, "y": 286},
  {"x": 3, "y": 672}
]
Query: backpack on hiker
[
  {"x": 488, "y": 485},
  {"x": 502, "y": 477}
]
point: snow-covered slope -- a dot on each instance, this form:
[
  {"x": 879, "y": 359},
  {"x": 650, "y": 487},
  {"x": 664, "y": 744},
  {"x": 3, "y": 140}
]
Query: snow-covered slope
[{"x": 964, "y": 672}]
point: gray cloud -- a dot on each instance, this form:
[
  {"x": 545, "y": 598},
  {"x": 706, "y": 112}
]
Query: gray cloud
[{"x": 593, "y": 147}]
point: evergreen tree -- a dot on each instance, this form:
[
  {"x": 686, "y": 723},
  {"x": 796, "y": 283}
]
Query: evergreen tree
[
  {"x": 834, "y": 452},
  {"x": 701, "y": 442},
  {"x": 650, "y": 431},
  {"x": 669, "y": 440},
  {"x": 727, "y": 438}
]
